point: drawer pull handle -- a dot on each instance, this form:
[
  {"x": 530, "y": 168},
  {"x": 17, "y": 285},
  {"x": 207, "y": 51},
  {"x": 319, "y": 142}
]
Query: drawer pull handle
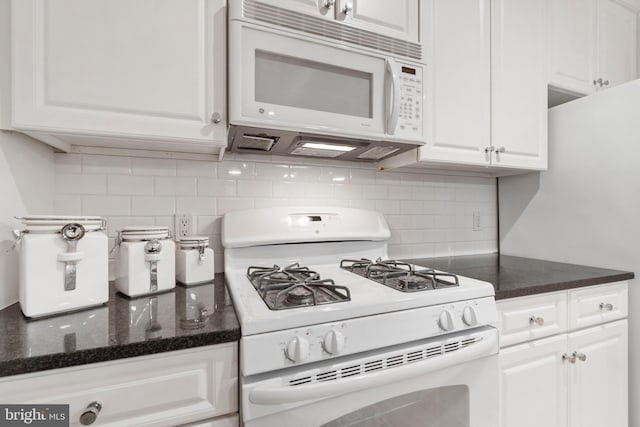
[
  {"x": 571, "y": 359},
  {"x": 606, "y": 306},
  {"x": 90, "y": 413},
  {"x": 536, "y": 320},
  {"x": 581, "y": 356}
]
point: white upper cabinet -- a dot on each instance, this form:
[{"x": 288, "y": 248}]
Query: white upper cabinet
[
  {"x": 593, "y": 44},
  {"x": 617, "y": 43},
  {"x": 459, "y": 83},
  {"x": 572, "y": 53},
  {"x": 519, "y": 84},
  {"x": 121, "y": 73},
  {"x": 486, "y": 100},
  {"x": 399, "y": 18}
]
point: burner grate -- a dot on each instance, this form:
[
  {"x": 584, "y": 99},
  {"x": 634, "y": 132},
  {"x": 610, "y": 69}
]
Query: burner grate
[
  {"x": 294, "y": 286},
  {"x": 400, "y": 275}
]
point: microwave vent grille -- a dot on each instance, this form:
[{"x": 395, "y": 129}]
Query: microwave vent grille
[{"x": 331, "y": 29}]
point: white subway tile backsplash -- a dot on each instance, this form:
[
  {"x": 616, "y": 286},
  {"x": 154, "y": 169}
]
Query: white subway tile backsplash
[
  {"x": 128, "y": 184},
  {"x": 167, "y": 221},
  {"x": 197, "y": 205},
  {"x": 106, "y": 205},
  {"x": 255, "y": 189},
  {"x": 68, "y": 163},
  {"x": 67, "y": 183},
  {"x": 216, "y": 187},
  {"x": 197, "y": 168},
  {"x": 429, "y": 215},
  {"x": 106, "y": 164},
  {"x": 67, "y": 205},
  {"x": 272, "y": 172},
  {"x": 153, "y": 206},
  {"x": 236, "y": 170},
  {"x": 156, "y": 167},
  {"x": 226, "y": 204},
  {"x": 289, "y": 190},
  {"x": 175, "y": 186},
  {"x": 305, "y": 173}
]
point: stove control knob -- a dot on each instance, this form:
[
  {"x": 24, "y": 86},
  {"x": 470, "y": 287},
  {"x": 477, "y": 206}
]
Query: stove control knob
[
  {"x": 470, "y": 316},
  {"x": 445, "y": 321},
  {"x": 298, "y": 349},
  {"x": 333, "y": 342}
]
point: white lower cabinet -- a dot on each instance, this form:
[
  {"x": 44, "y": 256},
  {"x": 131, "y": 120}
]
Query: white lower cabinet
[
  {"x": 571, "y": 377},
  {"x": 165, "y": 389}
]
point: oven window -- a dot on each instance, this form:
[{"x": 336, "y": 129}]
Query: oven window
[
  {"x": 445, "y": 406},
  {"x": 299, "y": 83}
]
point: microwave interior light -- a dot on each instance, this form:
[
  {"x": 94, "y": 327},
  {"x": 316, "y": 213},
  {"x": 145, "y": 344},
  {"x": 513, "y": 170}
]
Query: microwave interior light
[{"x": 331, "y": 147}]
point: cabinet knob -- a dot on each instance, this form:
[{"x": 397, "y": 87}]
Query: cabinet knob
[
  {"x": 536, "y": 320},
  {"x": 571, "y": 359},
  {"x": 605, "y": 83},
  {"x": 348, "y": 8},
  {"x": 581, "y": 356},
  {"x": 606, "y": 306},
  {"x": 327, "y": 4},
  {"x": 601, "y": 82},
  {"x": 216, "y": 118},
  {"x": 489, "y": 149},
  {"x": 90, "y": 413},
  {"x": 501, "y": 150}
]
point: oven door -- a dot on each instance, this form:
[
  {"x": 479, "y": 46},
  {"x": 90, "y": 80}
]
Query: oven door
[
  {"x": 450, "y": 381},
  {"x": 295, "y": 83}
]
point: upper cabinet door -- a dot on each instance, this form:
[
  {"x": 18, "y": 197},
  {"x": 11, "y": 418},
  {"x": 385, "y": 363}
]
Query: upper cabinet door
[
  {"x": 459, "y": 85},
  {"x": 399, "y": 19},
  {"x": 573, "y": 45},
  {"x": 138, "y": 70},
  {"x": 519, "y": 83},
  {"x": 617, "y": 43}
]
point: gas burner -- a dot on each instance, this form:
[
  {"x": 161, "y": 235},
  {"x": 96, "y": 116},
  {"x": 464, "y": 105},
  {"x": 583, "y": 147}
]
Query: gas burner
[
  {"x": 413, "y": 282},
  {"x": 294, "y": 286},
  {"x": 399, "y": 275}
]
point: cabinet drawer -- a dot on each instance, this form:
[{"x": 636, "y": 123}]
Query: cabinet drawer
[
  {"x": 165, "y": 389},
  {"x": 527, "y": 318},
  {"x": 226, "y": 421},
  {"x": 597, "y": 304}
]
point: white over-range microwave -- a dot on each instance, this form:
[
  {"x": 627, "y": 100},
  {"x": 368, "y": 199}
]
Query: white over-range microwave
[{"x": 306, "y": 85}]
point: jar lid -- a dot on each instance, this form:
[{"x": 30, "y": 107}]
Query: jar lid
[
  {"x": 54, "y": 223},
  {"x": 143, "y": 233},
  {"x": 193, "y": 242}
]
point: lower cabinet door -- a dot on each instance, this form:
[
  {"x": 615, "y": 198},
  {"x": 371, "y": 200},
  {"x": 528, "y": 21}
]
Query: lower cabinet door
[
  {"x": 533, "y": 384},
  {"x": 598, "y": 389}
]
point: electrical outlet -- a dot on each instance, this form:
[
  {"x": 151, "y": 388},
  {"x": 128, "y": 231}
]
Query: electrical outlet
[
  {"x": 476, "y": 221},
  {"x": 184, "y": 225}
]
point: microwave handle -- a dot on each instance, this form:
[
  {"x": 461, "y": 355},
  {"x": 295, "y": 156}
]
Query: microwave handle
[{"x": 392, "y": 97}]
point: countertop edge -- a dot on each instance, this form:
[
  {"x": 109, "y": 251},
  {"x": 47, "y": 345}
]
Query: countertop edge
[
  {"x": 112, "y": 353},
  {"x": 562, "y": 286}
]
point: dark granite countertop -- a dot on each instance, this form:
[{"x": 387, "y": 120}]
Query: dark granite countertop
[
  {"x": 514, "y": 276},
  {"x": 182, "y": 318}
]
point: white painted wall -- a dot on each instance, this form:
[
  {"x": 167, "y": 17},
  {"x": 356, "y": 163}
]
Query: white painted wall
[
  {"x": 26, "y": 187},
  {"x": 586, "y": 208},
  {"x": 428, "y": 215}
]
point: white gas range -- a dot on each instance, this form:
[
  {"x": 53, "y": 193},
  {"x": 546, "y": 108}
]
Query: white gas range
[{"x": 323, "y": 315}]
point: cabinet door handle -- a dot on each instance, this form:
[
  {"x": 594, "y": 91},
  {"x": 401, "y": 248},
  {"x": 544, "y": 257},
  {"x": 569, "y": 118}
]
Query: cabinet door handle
[
  {"x": 605, "y": 83},
  {"x": 581, "y": 356},
  {"x": 571, "y": 359},
  {"x": 348, "y": 8},
  {"x": 328, "y": 4},
  {"x": 536, "y": 320},
  {"x": 489, "y": 149},
  {"x": 598, "y": 82},
  {"x": 90, "y": 414},
  {"x": 501, "y": 150},
  {"x": 606, "y": 306},
  {"x": 216, "y": 118}
]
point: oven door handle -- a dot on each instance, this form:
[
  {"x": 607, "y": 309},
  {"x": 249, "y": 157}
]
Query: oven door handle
[{"x": 270, "y": 395}]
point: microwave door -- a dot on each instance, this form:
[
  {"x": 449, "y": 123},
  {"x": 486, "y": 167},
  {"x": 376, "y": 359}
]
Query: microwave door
[{"x": 295, "y": 84}]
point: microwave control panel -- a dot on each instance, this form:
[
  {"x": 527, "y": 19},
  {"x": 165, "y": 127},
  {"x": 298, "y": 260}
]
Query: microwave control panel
[{"x": 411, "y": 105}]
